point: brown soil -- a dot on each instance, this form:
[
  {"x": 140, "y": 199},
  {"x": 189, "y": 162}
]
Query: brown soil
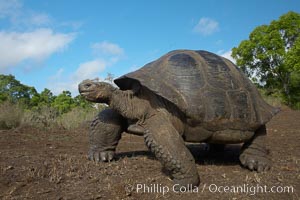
[{"x": 41, "y": 164}]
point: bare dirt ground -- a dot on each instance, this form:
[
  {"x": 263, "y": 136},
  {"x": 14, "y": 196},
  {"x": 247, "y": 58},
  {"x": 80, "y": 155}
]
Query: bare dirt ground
[{"x": 41, "y": 164}]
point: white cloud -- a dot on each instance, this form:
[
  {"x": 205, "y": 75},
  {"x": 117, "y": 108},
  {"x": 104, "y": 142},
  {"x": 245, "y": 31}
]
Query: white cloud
[
  {"x": 108, "y": 51},
  {"x": 72, "y": 24},
  {"x": 40, "y": 19},
  {"x": 19, "y": 16},
  {"x": 30, "y": 36},
  {"x": 87, "y": 70},
  {"x": 206, "y": 26},
  {"x": 227, "y": 55},
  {"x": 58, "y": 75},
  {"x": 58, "y": 87},
  {"x": 107, "y": 54},
  {"x": 36, "y": 45},
  {"x": 107, "y": 48},
  {"x": 9, "y": 8}
]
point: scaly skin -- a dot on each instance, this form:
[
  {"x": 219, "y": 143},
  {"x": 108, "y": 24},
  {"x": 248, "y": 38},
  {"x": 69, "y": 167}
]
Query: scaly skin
[
  {"x": 168, "y": 146},
  {"x": 181, "y": 166},
  {"x": 104, "y": 135},
  {"x": 254, "y": 154}
]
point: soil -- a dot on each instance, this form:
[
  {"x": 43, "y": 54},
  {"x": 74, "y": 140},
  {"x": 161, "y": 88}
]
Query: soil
[{"x": 52, "y": 164}]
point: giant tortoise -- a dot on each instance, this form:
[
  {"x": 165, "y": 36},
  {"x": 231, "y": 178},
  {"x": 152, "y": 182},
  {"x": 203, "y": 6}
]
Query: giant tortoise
[{"x": 186, "y": 95}]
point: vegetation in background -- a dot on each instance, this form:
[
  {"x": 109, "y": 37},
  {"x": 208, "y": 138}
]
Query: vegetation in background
[
  {"x": 11, "y": 90},
  {"x": 10, "y": 115},
  {"x": 271, "y": 58},
  {"x": 23, "y": 105}
]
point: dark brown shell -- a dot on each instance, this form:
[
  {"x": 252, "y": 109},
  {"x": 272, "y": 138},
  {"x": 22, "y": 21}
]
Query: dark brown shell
[{"x": 206, "y": 87}]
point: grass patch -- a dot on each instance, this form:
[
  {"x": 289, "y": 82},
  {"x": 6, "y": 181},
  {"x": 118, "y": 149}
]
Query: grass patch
[
  {"x": 272, "y": 99},
  {"x": 77, "y": 118},
  {"x": 44, "y": 117},
  {"x": 10, "y": 115},
  {"x": 49, "y": 118}
]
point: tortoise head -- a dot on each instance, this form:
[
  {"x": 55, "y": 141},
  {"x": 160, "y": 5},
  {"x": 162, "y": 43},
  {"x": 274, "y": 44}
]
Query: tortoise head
[{"x": 95, "y": 91}]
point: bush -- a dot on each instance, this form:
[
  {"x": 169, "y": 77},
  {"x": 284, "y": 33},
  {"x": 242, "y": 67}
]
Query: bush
[
  {"x": 10, "y": 115},
  {"x": 49, "y": 118},
  {"x": 296, "y": 106},
  {"x": 77, "y": 118},
  {"x": 43, "y": 117},
  {"x": 274, "y": 99}
]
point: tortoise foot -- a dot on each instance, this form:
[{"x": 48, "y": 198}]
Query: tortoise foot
[
  {"x": 256, "y": 159},
  {"x": 186, "y": 182},
  {"x": 101, "y": 156}
]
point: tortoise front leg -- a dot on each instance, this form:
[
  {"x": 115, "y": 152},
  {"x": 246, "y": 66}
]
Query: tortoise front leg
[
  {"x": 105, "y": 133},
  {"x": 169, "y": 148},
  {"x": 255, "y": 155}
]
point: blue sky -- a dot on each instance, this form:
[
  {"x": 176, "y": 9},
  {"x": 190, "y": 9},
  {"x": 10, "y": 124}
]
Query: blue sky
[{"x": 56, "y": 44}]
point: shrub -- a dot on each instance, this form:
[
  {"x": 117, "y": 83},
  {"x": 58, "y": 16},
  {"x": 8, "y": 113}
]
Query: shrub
[
  {"x": 274, "y": 99},
  {"x": 77, "y": 118},
  {"x": 296, "y": 106},
  {"x": 43, "y": 117},
  {"x": 10, "y": 115},
  {"x": 50, "y": 118}
]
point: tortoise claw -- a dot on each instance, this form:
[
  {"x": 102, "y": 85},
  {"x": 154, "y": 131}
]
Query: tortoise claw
[
  {"x": 260, "y": 163},
  {"x": 101, "y": 156}
]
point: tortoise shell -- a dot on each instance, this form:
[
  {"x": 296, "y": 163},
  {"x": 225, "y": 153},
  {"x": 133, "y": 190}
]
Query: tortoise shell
[{"x": 204, "y": 86}]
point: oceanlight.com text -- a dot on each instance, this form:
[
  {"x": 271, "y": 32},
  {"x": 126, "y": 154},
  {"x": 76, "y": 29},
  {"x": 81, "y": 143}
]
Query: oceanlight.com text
[{"x": 246, "y": 189}]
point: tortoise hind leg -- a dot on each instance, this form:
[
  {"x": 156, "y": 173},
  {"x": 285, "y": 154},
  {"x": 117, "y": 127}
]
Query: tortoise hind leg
[
  {"x": 169, "y": 148},
  {"x": 254, "y": 154}
]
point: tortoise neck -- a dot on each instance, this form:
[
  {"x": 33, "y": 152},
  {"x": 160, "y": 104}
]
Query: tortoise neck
[{"x": 128, "y": 105}]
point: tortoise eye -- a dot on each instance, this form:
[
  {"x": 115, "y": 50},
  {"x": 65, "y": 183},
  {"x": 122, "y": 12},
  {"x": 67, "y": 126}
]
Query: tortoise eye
[{"x": 88, "y": 85}]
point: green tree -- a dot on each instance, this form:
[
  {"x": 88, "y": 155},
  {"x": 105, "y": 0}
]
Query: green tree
[
  {"x": 46, "y": 97},
  {"x": 271, "y": 56},
  {"x": 64, "y": 102},
  {"x": 15, "y": 92}
]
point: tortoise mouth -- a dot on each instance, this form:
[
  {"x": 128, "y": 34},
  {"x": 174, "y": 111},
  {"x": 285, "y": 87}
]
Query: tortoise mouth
[{"x": 85, "y": 92}]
